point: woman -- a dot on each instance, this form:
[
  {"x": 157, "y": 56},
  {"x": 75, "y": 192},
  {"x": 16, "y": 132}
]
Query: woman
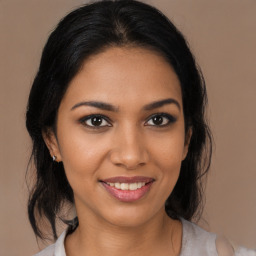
[{"x": 116, "y": 115}]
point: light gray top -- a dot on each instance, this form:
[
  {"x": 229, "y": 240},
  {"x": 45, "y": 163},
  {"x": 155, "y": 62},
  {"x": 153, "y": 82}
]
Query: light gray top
[{"x": 195, "y": 242}]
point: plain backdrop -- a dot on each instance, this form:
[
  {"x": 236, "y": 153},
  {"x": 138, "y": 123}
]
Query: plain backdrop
[{"x": 222, "y": 35}]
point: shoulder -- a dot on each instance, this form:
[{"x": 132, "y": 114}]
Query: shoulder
[
  {"x": 241, "y": 251},
  {"x": 226, "y": 247},
  {"x": 48, "y": 251},
  {"x": 196, "y": 241},
  {"x": 56, "y": 249}
]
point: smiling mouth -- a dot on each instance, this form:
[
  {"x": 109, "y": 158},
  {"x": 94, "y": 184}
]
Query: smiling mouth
[
  {"x": 128, "y": 189},
  {"x": 127, "y": 186}
]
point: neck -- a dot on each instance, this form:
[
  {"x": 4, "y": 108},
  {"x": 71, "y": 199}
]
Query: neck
[{"x": 158, "y": 236}]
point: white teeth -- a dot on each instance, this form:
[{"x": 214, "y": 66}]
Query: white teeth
[
  {"x": 140, "y": 184},
  {"x": 127, "y": 186},
  {"x": 133, "y": 186},
  {"x": 124, "y": 186}
]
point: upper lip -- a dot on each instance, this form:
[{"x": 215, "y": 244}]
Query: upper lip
[{"x": 123, "y": 179}]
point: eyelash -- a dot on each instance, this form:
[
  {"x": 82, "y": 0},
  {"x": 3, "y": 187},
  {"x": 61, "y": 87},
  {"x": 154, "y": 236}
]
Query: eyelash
[
  {"x": 90, "y": 117},
  {"x": 170, "y": 119}
]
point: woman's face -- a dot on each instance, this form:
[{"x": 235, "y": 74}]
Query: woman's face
[{"x": 120, "y": 136}]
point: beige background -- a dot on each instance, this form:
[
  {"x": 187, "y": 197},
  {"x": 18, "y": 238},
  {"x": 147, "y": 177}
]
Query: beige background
[{"x": 222, "y": 34}]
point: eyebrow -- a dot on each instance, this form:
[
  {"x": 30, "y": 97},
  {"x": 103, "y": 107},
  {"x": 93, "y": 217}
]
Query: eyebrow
[
  {"x": 96, "y": 104},
  {"x": 109, "y": 107},
  {"x": 158, "y": 104}
]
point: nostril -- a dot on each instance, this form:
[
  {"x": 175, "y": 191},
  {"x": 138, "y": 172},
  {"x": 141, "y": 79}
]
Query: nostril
[{"x": 129, "y": 155}]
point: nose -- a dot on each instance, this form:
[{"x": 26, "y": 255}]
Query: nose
[{"x": 129, "y": 150}]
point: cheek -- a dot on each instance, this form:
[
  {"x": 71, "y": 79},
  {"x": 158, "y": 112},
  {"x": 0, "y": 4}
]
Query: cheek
[
  {"x": 167, "y": 156},
  {"x": 81, "y": 155},
  {"x": 169, "y": 151}
]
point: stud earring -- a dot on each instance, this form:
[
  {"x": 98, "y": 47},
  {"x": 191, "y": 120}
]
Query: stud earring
[{"x": 54, "y": 158}]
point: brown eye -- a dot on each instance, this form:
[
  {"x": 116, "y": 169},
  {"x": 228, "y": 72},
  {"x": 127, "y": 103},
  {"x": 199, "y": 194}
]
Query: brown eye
[
  {"x": 157, "y": 120},
  {"x": 95, "y": 121},
  {"x": 160, "y": 120}
]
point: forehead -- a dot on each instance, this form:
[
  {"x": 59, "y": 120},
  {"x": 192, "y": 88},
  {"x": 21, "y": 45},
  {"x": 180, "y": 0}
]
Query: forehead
[{"x": 121, "y": 75}]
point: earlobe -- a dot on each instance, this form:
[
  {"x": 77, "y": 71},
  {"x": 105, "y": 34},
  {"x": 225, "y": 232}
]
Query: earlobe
[
  {"x": 187, "y": 142},
  {"x": 52, "y": 144}
]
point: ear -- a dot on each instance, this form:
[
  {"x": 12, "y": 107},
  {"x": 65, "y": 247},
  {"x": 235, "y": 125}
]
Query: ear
[
  {"x": 187, "y": 142},
  {"x": 51, "y": 142}
]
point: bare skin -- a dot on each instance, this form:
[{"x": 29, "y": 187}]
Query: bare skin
[
  {"x": 149, "y": 239},
  {"x": 136, "y": 128}
]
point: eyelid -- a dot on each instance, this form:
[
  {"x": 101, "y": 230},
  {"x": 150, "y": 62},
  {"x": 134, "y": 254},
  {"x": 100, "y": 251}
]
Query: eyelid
[
  {"x": 171, "y": 119},
  {"x": 86, "y": 118}
]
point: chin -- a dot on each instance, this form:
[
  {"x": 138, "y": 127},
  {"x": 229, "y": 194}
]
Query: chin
[{"x": 130, "y": 218}]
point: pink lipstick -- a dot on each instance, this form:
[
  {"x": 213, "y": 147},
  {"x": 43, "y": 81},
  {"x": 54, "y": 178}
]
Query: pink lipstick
[{"x": 127, "y": 189}]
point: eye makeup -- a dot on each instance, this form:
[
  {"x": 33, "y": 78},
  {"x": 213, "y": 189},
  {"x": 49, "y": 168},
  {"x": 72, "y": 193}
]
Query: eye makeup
[{"x": 160, "y": 120}]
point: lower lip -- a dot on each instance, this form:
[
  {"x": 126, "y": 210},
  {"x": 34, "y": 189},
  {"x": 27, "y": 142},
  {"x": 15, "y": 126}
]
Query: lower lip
[{"x": 128, "y": 195}]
